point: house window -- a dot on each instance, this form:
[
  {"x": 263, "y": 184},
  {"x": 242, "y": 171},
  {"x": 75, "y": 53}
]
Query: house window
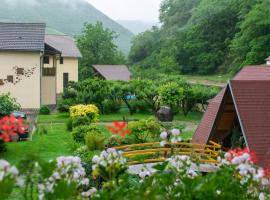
[
  {"x": 46, "y": 60},
  {"x": 10, "y": 79},
  {"x": 65, "y": 80},
  {"x": 61, "y": 60}
]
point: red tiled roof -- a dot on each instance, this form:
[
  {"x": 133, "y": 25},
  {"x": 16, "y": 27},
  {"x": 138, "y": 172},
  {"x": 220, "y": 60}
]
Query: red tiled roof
[
  {"x": 204, "y": 129},
  {"x": 260, "y": 72},
  {"x": 252, "y": 98}
]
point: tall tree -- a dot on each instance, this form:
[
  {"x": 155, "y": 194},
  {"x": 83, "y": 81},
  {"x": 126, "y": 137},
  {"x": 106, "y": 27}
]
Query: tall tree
[
  {"x": 252, "y": 44},
  {"x": 97, "y": 46}
]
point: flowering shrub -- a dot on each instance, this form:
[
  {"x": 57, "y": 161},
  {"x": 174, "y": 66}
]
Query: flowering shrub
[
  {"x": 68, "y": 176},
  {"x": 9, "y": 177},
  {"x": 119, "y": 128},
  {"x": 10, "y": 126},
  {"x": 109, "y": 166},
  {"x": 172, "y": 136},
  {"x": 89, "y": 111}
]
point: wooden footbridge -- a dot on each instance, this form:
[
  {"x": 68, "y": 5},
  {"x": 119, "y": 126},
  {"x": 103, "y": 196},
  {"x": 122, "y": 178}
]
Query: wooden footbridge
[{"x": 153, "y": 152}]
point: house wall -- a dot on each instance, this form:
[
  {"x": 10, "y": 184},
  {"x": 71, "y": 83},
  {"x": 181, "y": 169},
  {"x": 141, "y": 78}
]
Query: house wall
[
  {"x": 48, "y": 88},
  {"x": 26, "y": 86},
  {"x": 69, "y": 66},
  {"x": 52, "y": 58}
]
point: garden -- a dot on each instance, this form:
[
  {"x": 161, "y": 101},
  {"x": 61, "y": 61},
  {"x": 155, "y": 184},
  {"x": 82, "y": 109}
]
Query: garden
[{"x": 82, "y": 151}]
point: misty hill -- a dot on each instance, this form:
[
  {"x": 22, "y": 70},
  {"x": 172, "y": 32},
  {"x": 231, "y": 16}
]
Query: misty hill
[
  {"x": 137, "y": 26},
  {"x": 67, "y": 16}
]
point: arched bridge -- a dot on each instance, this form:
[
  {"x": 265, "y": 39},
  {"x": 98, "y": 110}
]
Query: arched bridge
[{"x": 153, "y": 152}]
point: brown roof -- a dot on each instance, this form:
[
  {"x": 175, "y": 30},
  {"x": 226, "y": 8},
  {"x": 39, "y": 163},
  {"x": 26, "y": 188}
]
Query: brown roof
[
  {"x": 252, "y": 100},
  {"x": 113, "y": 72},
  {"x": 260, "y": 72},
  {"x": 63, "y": 43},
  {"x": 204, "y": 129},
  {"x": 251, "y": 92},
  {"x": 268, "y": 59}
]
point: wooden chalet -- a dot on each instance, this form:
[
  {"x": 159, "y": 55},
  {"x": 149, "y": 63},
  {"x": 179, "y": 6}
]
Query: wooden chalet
[{"x": 240, "y": 114}]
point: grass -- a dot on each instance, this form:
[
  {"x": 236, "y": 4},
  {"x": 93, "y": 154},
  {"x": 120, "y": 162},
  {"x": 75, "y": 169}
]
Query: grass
[
  {"x": 56, "y": 143},
  {"x": 194, "y": 117},
  {"x": 57, "y": 117},
  {"x": 222, "y": 78}
]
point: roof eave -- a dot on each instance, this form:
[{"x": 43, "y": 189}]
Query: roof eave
[{"x": 238, "y": 115}]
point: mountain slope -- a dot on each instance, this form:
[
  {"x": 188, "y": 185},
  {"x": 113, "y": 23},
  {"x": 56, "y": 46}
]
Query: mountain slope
[
  {"x": 67, "y": 16},
  {"x": 137, "y": 26}
]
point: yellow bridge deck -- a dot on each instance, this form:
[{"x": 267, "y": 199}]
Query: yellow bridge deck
[{"x": 153, "y": 152}]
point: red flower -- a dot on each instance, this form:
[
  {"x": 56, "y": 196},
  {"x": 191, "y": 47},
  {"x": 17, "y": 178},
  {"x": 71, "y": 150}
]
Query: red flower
[
  {"x": 10, "y": 126},
  {"x": 232, "y": 153},
  {"x": 119, "y": 128}
]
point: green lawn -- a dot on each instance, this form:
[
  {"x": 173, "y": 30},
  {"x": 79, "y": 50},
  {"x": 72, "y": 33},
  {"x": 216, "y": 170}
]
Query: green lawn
[
  {"x": 194, "y": 117},
  {"x": 222, "y": 78},
  {"x": 63, "y": 117},
  {"x": 56, "y": 143},
  {"x": 57, "y": 117}
]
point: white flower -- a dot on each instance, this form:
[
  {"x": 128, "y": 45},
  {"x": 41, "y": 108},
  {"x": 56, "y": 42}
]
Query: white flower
[
  {"x": 85, "y": 181},
  {"x": 20, "y": 182},
  {"x": 175, "y": 132},
  {"x": 164, "y": 135},
  {"x": 218, "y": 192},
  {"x": 163, "y": 143},
  {"x": 261, "y": 196},
  {"x": 89, "y": 193}
]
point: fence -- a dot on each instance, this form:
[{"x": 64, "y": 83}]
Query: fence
[{"x": 153, "y": 152}]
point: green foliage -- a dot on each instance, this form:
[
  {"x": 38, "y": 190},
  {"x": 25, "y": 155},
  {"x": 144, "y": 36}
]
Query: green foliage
[
  {"x": 44, "y": 110},
  {"x": 111, "y": 106},
  {"x": 94, "y": 141},
  {"x": 7, "y": 105},
  {"x": 96, "y": 44},
  {"x": 79, "y": 133},
  {"x": 171, "y": 94},
  {"x": 144, "y": 130},
  {"x": 251, "y": 43},
  {"x": 205, "y": 37}
]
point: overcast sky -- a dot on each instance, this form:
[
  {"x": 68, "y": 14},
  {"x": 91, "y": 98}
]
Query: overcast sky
[{"x": 143, "y": 10}]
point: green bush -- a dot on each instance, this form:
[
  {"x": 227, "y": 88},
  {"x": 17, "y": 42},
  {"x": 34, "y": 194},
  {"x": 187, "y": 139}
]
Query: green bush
[
  {"x": 44, "y": 110},
  {"x": 3, "y": 147},
  {"x": 145, "y": 130},
  {"x": 85, "y": 155},
  {"x": 7, "y": 105},
  {"x": 94, "y": 141},
  {"x": 110, "y": 106},
  {"x": 79, "y": 133},
  {"x": 69, "y": 124},
  {"x": 140, "y": 107},
  {"x": 171, "y": 125},
  {"x": 63, "y": 105},
  {"x": 80, "y": 121}
]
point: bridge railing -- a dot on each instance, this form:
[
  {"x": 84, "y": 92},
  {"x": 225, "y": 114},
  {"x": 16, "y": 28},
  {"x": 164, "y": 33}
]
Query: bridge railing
[{"x": 153, "y": 152}]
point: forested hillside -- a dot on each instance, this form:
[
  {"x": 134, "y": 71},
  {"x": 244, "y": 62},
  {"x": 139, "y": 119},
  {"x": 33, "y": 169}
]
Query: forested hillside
[
  {"x": 63, "y": 15},
  {"x": 205, "y": 37}
]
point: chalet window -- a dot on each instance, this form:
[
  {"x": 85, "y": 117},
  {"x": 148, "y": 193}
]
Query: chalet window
[
  {"x": 46, "y": 60},
  {"x": 1, "y": 82},
  {"x": 61, "y": 60},
  {"x": 65, "y": 80}
]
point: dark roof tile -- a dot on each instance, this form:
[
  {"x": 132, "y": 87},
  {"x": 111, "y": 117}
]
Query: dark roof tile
[{"x": 22, "y": 36}]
